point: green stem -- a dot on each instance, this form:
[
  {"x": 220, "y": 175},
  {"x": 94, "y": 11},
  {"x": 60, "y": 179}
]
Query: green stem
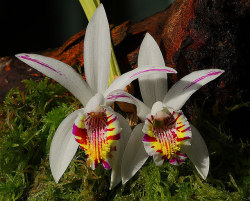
[
  {"x": 97, "y": 2},
  {"x": 114, "y": 67},
  {"x": 89, "y": 7}
]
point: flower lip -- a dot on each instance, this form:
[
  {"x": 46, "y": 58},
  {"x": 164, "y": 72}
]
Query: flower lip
[
  {"x": 164, "y": 134},
  {"x": 97, "y": 133}
]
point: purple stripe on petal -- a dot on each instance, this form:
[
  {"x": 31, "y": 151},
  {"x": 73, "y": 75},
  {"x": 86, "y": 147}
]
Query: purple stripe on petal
[
  {"x": 151, "y": 70},
  {"x": 202, "y": 78},
  {"x": 27, "y": 57},
  {"x": 114, "y": 97}
]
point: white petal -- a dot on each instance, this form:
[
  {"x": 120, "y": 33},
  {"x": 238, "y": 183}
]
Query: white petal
[
  {"x": 134, "y": 155},
  {"x": 117, "y": 159},
  {"x": 184, "y": 88},
  {"x": 63, "y": 146},
  {"x": 158, "y": 106},
  {"x": 94, "y": 102},
  {"x": 150, "y": 53},
  {"x": 119, "y": 95},
  {"x": 197, "y": 152},
  {"x": 97, "y": 51},
  {"x": 61, "y": 72},
  {"x": 126, "y": 78},
  {"x": 158, "y": 159},
  {"x": 153, "y": 87}
]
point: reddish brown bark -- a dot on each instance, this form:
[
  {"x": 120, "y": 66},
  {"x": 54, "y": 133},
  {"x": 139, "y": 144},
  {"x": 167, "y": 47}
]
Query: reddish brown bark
[{"x": 192, "y": 35}]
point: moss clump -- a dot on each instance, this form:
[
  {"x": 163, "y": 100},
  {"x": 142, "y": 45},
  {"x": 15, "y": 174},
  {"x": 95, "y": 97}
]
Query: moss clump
[
  {"x": 24, "y": 133},
  {"x": 29, "y": 118}
]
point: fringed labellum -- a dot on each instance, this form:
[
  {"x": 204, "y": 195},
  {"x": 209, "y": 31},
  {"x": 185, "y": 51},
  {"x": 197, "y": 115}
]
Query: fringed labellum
[
  {"x": 97, "y": 134},
  {"x": 164, "y": 134}
]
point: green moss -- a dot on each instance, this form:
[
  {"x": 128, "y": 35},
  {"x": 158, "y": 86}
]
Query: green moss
[
  {"x": 24, "y": 135},
  {"x": 29, "y": 118}
]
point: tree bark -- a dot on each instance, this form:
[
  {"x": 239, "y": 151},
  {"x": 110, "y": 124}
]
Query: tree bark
[{"x": 192, "y": 35}]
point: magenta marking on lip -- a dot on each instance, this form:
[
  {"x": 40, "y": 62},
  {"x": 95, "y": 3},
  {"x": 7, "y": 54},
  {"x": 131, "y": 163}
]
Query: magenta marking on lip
[
  {"x": 181, "y": 154},
  {"x": 158, "y": 70},
  {"x": 106, "y": 165},
  {"x": 150, "y": 121},
  {"x": 147, "y": 138},
  {"x": 172, "y": 160},
  {"x": 202, "y": 78},
  {"x": 187, "y": 129},
  {"x": 27, "y": 57}
]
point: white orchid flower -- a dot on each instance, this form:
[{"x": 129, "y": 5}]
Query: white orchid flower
[
  {"x": 96, "y": 128},
  {"x": 165, "y": 134}
]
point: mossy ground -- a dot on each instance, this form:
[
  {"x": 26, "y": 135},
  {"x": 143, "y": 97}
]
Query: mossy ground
[{"x": 29, "y": 118}]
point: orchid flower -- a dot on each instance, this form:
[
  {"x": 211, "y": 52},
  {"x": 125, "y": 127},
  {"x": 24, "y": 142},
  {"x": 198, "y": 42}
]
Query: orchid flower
[
  {"x": 165, "y": 132},
  {"x": 96, "y": 128}
]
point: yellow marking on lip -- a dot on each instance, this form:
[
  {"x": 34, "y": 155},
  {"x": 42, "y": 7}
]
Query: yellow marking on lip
[
  {"x": 98, "y": 149},
  {"x": 180, "y": 134},
  {"x": 168, "y": 146}
]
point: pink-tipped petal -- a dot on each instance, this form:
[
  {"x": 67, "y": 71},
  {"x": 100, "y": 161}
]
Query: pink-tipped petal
[
  {"x": 61, "y": 72},
  {"x": 153, "y": 87},
  {"x": 185, "y": 87},
  {"x": 97, "y": 51}
]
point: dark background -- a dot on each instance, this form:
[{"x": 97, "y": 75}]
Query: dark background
[{"x": 32, "y": 25}]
